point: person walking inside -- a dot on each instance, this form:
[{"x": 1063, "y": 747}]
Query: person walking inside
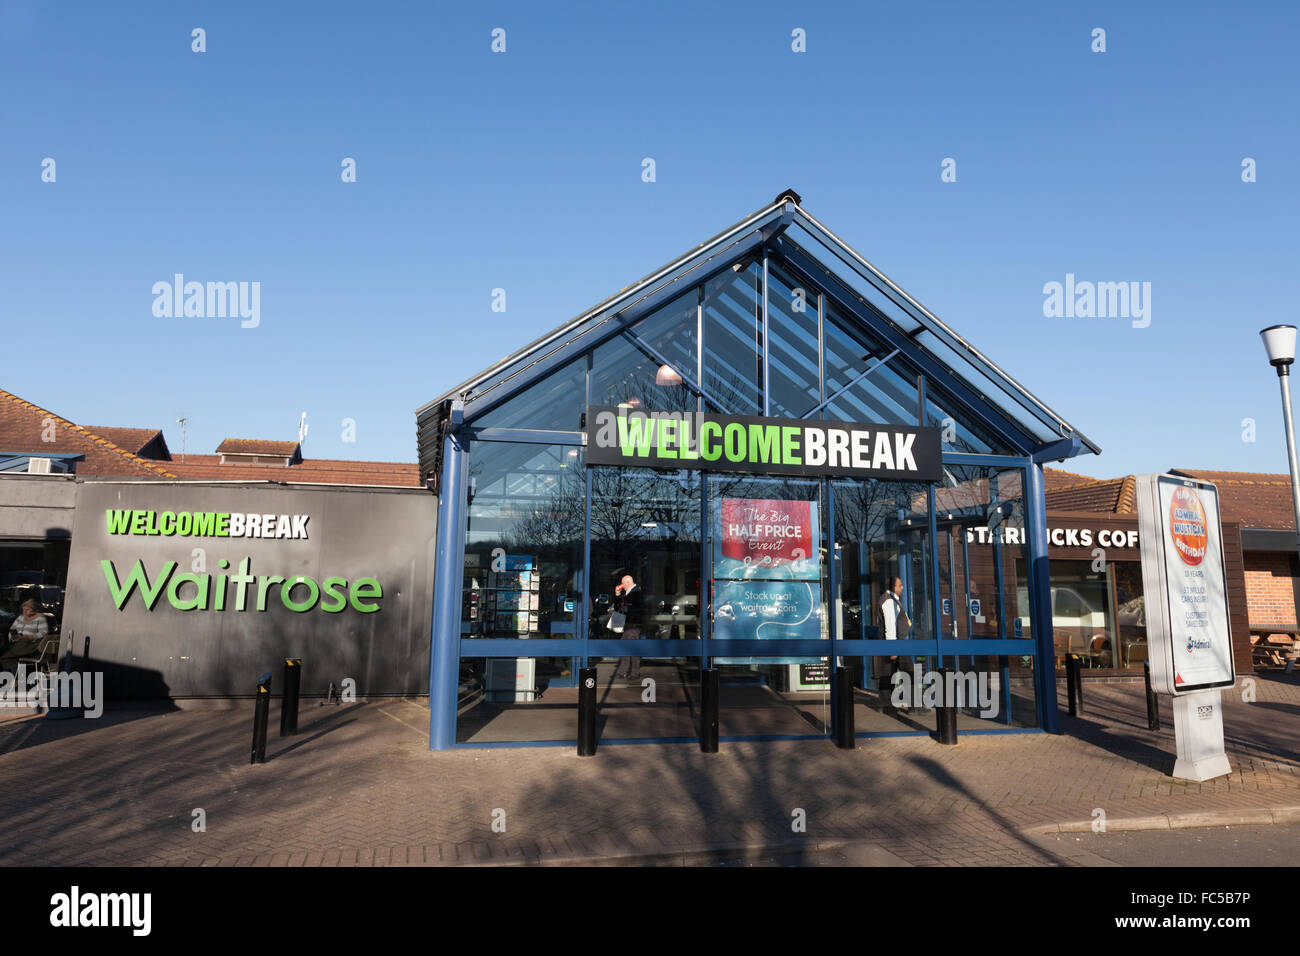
[{"x": 629, "y": 601}]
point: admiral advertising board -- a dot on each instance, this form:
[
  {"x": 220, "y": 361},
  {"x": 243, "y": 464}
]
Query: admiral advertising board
[
  {"x": 1184, "y": 583},
  {"x": 192, "y": 590}
]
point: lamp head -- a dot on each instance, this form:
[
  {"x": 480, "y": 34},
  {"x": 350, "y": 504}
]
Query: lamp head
[{"x": 1279, "y": 342}]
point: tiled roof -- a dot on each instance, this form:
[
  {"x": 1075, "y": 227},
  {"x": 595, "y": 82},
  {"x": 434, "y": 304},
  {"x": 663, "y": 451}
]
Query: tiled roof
[
  {"x": 1109, "y": 496},
  {"x": 1059, "y": 478},
  {"x": 1255, "y": 499},
  {"x": 324, "y": 471},
  {"x": 976, "y": 492},
  {"x": 25, "y": 427},
  {"x": 256, "y": 446},
  {"x": 133, "y": 440}
]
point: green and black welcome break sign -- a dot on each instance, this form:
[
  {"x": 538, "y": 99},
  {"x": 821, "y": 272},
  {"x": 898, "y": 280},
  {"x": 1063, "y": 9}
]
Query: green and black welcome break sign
[{"x": 622, "y": 435}]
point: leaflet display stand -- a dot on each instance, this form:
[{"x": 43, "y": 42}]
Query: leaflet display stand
[{"x": 502, "y": 601}]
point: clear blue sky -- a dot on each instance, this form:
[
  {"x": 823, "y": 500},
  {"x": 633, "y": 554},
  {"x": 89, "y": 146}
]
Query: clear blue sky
[{"x": 523, "y": 171}]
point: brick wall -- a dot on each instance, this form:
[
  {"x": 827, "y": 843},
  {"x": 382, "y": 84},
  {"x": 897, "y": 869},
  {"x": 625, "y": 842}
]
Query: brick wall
[{"x": 1270, "y": 589}]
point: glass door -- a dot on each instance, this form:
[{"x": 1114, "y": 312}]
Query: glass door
[{"x": 884, "y": 589}]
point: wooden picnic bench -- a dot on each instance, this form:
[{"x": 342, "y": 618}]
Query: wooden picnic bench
[{"x": 1267, "y": 652}]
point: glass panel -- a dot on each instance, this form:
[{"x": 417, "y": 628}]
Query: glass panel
[
  {"x": 794, "y": 377},
  {"x": 1129, "y": 619},
  {"x": 556, "y": 403},
  {"x": 646, "y": 524},
  {"x": 887, "y": 395},
  {"x": 774, "y": 697},
  {"x": 882, "y": 540},
  {"x": 733, "y": 353},
  {"x": 1098, "y": 613},
  {"x": 885, "y": 699},
  {"x": 985, "y": 382},
  {"x": 996, "y": 691},
  {"x": 31, "y": 570},
  {"x": 960, "y": 433},
  {"x": 982, "y": 553},
  {"x": 524, "y": 538},
  {"x": 769, "y": 577},
  {"x": 800, "y": 238},
  {"x": 525, "y": 699},
  {"x": 999, "y": 400},
  {"x": 622, "y": 371},
  {"x": 661, "y": 699},
  {"x": 899, "y": 694}
]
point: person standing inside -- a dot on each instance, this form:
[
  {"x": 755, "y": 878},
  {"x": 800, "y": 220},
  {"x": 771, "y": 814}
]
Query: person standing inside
[
  {"x": 896, "y": 626},
  {"x": 629, "y": 600}
]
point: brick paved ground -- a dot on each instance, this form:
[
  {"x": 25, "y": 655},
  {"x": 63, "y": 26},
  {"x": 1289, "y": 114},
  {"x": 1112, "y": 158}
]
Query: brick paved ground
[{"x": 359, "y": 786}]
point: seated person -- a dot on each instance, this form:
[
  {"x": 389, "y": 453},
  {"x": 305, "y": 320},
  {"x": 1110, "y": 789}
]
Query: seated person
[{"x": 27, "y": 633}]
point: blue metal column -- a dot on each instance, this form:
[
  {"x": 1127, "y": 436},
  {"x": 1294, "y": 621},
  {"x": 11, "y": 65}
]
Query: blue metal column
[
  {"x": 1040, "y": 595},
  {"x": 1004, "y": 712},
  {"x": 831, "y": 600},
  {"x": 706, "y": 571},
  {"x": 585, "y": 633},
  {"x": 448, "y": 581},
  {"x": 936, "y": 606},
  {"x": 997, "y": 559}
]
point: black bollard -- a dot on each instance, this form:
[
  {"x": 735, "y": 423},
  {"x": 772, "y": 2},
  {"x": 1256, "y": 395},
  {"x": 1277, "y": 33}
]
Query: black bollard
[
  {"x": 945, "y": 730},
  {"x": 1153, "y": 702},
  {"x": 844, "y": 729},
  {"x": 586, "y": 711},
  {"x": 261, "y": 711},
  {"x": 709, "y": 710},
  {"x": 62, "y": 709},
  {"x": 289, "y": 703},
  {"x": 1074, "y": 683}
]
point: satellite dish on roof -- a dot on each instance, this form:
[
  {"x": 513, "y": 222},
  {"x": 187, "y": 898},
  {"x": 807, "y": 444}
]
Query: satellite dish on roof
[{"x": 302, "y": 428}]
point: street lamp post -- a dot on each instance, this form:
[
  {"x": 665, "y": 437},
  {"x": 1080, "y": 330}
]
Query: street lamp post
[{"x": 1279, "y": 342}]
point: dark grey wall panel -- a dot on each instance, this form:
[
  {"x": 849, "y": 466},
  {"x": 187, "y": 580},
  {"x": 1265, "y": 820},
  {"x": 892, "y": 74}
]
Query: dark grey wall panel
[
  {"x": 352, "y": 533},
  {"x": 36, "y": 506}
]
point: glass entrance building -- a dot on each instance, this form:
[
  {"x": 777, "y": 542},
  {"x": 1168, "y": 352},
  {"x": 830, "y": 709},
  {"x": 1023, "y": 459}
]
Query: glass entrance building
[{"x": 799, "y": 467}]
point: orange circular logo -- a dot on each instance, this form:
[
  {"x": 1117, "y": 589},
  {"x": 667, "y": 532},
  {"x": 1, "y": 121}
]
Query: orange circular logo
[{"x": 1187, "y": 525}]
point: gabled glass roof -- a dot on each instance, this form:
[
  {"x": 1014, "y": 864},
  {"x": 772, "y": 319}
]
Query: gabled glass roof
[{"x": 721, "y": 277}]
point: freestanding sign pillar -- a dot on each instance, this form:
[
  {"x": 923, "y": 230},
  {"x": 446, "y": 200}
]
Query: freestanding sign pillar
[
  {"x": 1198, "y": 735},
  {"x": 1186, "y": 602}
]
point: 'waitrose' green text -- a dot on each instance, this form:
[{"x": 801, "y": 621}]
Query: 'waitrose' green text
[{"x": 337, "y": 592}]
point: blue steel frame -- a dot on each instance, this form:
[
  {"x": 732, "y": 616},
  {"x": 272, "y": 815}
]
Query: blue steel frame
[{"x": 448, "y": 648}]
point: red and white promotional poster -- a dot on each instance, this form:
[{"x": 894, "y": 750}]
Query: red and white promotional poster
[{"x": 758, "y": 535}]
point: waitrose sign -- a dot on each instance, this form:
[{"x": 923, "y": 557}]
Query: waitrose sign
[
  {"x": 781, "y": 446},
  {"x": 187, "y": 591},
  {"x": 234, "y": 586}
]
